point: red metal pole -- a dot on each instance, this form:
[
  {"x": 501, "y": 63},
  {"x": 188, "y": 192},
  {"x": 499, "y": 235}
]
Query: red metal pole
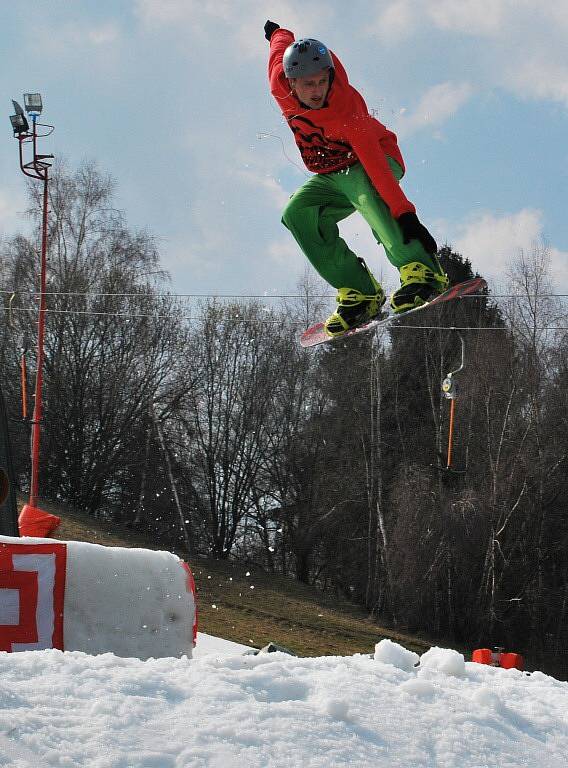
[{"x": 36, "y": 422}]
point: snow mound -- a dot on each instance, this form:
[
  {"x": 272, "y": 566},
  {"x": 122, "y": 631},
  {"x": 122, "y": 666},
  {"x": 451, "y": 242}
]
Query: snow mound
[
  {"x": 391, "y": 653},
  {"x": 444, "y": 660}
]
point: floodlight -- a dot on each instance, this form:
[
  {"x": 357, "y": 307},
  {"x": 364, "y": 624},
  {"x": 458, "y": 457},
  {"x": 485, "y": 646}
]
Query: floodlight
[
  {"x": 19, "y": 124},
  {"x": 17, "y": 109},
  {"x": 33, "y": 103}
]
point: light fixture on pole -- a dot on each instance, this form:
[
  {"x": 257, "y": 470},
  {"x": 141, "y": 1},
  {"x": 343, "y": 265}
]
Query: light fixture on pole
[
  {"x": 19, "y": 122},
  {"x": 33, "y": 104}
]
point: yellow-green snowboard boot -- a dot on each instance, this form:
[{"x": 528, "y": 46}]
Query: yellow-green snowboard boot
[
  {"x": 355, "y": 308},
  {"x": 418, "y": 284}
]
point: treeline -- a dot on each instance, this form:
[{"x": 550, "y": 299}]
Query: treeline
[{"x": 209, "y": 428}]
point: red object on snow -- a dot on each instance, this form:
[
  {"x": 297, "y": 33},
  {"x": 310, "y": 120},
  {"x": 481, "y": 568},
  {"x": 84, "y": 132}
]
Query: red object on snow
[
  {"x": 35, "y": 522},
  {"x": 511, "y": 661},
  {"x": 482, "y": 656},
  {"x": 190, "y": 586},
  {"x": 497, "y": 658}
]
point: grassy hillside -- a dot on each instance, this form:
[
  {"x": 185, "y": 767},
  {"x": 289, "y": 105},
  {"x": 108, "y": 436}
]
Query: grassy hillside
[{"x": 248, "y": 606}]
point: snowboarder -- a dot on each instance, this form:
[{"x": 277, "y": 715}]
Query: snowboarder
[{"x": 357, "y": 166}]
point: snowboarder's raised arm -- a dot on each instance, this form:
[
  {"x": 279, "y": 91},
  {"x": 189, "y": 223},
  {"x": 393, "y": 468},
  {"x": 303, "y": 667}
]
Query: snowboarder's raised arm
[{"x": 279, "y": 39}]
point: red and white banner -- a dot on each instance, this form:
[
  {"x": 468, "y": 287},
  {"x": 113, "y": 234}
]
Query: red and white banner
[
  {"x": 32, "y": 595},
  {"x": 76, "y": 596}
]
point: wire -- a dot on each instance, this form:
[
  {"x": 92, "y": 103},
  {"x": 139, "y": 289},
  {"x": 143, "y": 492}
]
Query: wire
[
  {"x": 467, "y": 328},
  {"x": 180, "y": 315},
  {"x": 177, "y": 295},
  {"x": 266, "y": 135},
  {"x": 526, "y": 296},
  {"x": 266, "y": 296},
  {"x": 266, "y": 321},
  {"x": 155, "y": 316}
]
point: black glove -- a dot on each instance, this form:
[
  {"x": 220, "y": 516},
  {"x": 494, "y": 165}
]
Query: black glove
[
  {"x": 412, "y": 229},
  {"x": 269, "y": 28}
]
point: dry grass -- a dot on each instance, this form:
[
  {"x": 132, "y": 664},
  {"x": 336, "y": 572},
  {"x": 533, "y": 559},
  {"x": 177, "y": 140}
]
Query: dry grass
[{"x": 249, "y": 606}]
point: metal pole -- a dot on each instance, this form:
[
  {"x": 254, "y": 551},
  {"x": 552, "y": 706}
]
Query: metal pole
[
  {"x": 184, "y": 526},
  {"x": 450, "y": 391},
  {"x": 24, "y": 385},
  {"x": 451, "y": 432},
  {"x": 36, "y": 421}
]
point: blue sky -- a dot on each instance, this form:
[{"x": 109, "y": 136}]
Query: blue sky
[{"x": 170, "y": 97}]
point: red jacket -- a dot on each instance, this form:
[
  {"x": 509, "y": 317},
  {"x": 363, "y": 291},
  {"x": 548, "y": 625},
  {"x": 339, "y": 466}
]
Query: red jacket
[{"x": 341, "y": 133}]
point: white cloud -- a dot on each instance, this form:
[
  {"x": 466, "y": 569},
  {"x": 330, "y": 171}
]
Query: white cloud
[
  {"x": 286, "y": 255},
  {"x": 492, "y": 243},
  {"x": 395, "y": 23},
  {"x": 435, "y": 107},
  {"x": 152, "y": 12},
  {"x": 262, "y": 181},
  {"x": 488, "y": 18},
  {"x": 104, "y": 34},
  {"x": 12, "y": 207},
  {"x": 245, "y": 13},
  {"x": 66, "y": 39},
  {"x": 558, "y": 12},
  {"x": 474, "y": 17},
  {"x": 539, "y": 77},
  {"x": 402, "y": 18},
  {"x": 244, "y": 21},
  {"x": 179, "y": 12},
  {"x": 522, "y": 45},
  {"x": 360, "y": 239}
]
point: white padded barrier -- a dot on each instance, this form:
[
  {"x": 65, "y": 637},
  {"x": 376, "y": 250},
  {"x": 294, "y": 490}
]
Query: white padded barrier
[{"x": 85, "y": 597}]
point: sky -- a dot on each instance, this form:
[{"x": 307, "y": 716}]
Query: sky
[
  {"x": 223, "y": 709},
  {"x": 171, "y": 98}
]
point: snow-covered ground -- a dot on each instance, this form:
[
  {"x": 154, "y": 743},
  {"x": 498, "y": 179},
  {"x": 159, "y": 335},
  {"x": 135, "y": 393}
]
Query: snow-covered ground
[
  {"x": 208, "y": 645},
  {"x": 223, "y": 709}
]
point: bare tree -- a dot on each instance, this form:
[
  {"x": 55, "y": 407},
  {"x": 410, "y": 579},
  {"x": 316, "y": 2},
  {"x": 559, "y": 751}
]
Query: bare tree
[
  {"x": 112, "y": 343},
  {"x": 228, "y": 413}
]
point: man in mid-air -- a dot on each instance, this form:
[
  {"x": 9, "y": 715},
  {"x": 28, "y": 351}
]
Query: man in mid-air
[{"x": 357, "y": 166}]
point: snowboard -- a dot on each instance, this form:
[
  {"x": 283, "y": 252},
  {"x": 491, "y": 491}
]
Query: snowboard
[{"x": 317, "y": 335}]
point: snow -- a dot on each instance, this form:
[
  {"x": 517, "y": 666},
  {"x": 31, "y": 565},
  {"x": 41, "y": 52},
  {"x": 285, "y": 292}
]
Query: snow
[
  {"x": 208, "y": 645},
  {"x": 444, "y": 660},
  {"x": 133, "y": 602},
  {"x": 223, "y": 709},
  {"x": 392, "y": 653}
]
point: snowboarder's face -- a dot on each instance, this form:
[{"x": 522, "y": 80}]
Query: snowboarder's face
[{"x": 311, "y": 90}]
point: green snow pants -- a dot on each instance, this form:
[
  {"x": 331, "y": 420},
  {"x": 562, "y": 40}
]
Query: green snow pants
[{"x": 325, "y": 199}]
